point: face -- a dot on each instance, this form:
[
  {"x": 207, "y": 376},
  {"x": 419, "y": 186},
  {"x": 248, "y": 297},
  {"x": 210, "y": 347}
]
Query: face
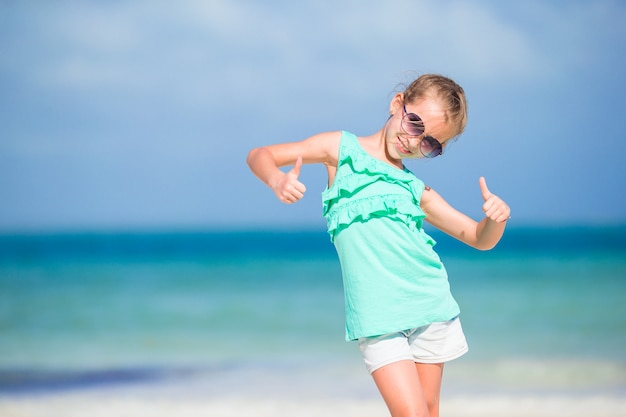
[{"x": 408, "y": 136}]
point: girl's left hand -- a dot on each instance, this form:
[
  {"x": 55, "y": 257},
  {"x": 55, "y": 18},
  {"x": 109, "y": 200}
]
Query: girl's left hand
[{"x": 495, "y": 209}]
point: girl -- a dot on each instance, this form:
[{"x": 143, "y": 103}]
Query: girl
[{"x": 397, "y": 298}]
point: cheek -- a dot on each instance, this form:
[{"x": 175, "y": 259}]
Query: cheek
[
  {"x": 392, "y": 148},
  {"x": 395, "y": 122}
]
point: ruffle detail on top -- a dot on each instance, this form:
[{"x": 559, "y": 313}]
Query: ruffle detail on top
[{"x": 356, "y": 170}]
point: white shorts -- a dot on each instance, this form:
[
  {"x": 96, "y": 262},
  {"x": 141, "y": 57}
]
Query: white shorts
[{"x": 434, "y": 343}]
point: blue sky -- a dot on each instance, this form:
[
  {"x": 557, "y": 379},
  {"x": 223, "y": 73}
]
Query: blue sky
[{"x": 130, "y": 115}]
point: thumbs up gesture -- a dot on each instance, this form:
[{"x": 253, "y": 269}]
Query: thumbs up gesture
[
  {"x": 495, "y": 209},
  {"x": 288, "y": 189}
]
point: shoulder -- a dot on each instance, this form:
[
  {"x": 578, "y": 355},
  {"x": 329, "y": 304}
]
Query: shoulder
[
  {"x": 325, "y": 144},
  {"x": 328, "y": 138},
  {"x": 319, "y": 148}
]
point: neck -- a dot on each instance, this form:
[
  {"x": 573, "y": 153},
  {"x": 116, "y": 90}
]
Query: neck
[{"x": 382, "y": 140}]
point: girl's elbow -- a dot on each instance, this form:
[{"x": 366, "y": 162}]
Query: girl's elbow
[{"x": 252, "y": 156}]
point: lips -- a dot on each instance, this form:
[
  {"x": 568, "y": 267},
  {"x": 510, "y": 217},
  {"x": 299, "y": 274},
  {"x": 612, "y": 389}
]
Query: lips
[{"x": 401, "y": 148}]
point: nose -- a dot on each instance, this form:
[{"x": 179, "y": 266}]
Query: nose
[{"x": 414, "y": 141}]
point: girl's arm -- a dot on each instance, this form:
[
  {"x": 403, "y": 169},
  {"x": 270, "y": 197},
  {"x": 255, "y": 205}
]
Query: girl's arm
[
  {"x": 266, "y": 161},
  {"x": 481, "y": 235}
]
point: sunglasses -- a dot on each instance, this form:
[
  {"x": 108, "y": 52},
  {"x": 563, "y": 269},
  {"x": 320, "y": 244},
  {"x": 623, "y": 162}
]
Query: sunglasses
[{"x": 413, "y": 125}]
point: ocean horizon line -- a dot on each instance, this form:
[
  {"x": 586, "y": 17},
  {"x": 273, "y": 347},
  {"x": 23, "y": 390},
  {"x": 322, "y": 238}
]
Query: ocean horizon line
[
  {"x": 265, "y": 228},
  {"x": 302, "y": 242}
]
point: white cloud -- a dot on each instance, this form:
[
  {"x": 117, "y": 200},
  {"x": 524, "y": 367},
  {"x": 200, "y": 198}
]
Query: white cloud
[
  {"x": 195, "y": 83},
  {"x": 215, "y": 44}
]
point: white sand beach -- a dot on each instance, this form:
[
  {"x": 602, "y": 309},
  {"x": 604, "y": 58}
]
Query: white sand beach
[
  {"x": 295, "y": 390},
  {"x": 101, "y": 405}
]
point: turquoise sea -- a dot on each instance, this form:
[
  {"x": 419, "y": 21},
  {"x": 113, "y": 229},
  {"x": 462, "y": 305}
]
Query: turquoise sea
[{"x": 221, "y": 314}]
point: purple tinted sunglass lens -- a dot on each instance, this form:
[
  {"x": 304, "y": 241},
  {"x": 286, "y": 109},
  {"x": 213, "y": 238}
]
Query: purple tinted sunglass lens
[
  {"x": 412, "y": 124},
  {"x": 430, "y": 147}
]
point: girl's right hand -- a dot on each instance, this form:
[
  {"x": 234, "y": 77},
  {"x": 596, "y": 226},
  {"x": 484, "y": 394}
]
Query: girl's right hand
[{"x": 287, "y": 188}]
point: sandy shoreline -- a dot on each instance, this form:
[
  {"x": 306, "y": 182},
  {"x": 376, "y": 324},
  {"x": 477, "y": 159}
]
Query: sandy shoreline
[
  {"x": 284, "y": 389},
  {"x": 119, "y": 405}
]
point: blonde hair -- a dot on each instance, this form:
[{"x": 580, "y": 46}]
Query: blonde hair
[{"x": 450, "y": 95}]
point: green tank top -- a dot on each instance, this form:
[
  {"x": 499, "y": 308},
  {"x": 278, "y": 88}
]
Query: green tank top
[{"x": 393, "y": 279}]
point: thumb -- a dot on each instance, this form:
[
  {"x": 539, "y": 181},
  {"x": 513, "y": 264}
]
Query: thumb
[
  {"x": 296, "y": 168},
  {"x": 483, "y": 188}
]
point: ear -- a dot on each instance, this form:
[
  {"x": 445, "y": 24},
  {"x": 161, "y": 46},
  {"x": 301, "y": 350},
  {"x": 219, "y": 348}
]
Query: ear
[{"x": 396, "y": 103}]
